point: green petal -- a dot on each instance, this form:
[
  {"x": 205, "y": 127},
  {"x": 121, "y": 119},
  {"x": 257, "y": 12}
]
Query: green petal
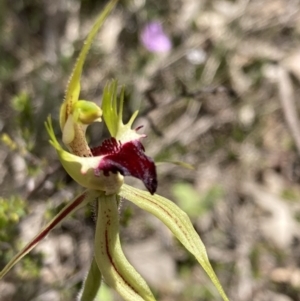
[
  {"x": 178, "y": 222},
  {"x": 116, "y": 270},
  {"x": 77, "y": 203},
  {"x": 73, "y": 88},
  {"x": 112, "y": 108},
  {"x": 92, "y": 283},
  {"x": 82, "y": 169}
]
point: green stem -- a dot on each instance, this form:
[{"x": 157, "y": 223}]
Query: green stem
[{"x": 92, "y": 283}]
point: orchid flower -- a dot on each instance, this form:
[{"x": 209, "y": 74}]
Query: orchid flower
[{"x": 101, "y": 172}]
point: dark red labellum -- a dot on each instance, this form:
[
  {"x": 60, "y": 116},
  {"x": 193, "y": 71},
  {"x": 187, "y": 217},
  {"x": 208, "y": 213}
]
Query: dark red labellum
[{"x": 129, "y": 159}]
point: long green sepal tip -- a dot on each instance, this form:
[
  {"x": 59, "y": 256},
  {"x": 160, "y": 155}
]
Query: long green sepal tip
[
  {"x": 75, "y": 77},
  {"x": 179, "y": 224},
  {"x": 117, "y": 272},
  {"x": 73, "y": 86},
  {"x": 79, "y": 201}
]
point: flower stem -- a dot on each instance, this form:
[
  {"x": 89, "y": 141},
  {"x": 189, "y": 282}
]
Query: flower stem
[{"x": 92, "y": 283}]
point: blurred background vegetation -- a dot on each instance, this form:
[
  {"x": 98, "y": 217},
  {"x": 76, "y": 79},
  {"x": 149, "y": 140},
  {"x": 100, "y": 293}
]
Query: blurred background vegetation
[{"x": 223, "y": 99}]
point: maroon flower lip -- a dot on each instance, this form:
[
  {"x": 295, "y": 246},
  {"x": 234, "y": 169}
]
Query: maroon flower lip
[{"x": 129, "y": 159}]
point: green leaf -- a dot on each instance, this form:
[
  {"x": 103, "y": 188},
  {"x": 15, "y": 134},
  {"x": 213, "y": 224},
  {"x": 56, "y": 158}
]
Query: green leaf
[
  {"x": 178, "y": 222},
  {"x": 117, "y": 272}
]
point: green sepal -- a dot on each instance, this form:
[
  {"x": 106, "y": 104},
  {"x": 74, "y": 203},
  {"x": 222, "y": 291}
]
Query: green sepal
[
  {"x": 72, "y": 206},
  {"x": 82, "y": 169},
  {"x": 92, "y": 283},
  {"x": 179, "y": 224},
  {"x": 112, "y": 108},
  {"x": 117, "y": 272},
  {"x": 73, "y": 88}
]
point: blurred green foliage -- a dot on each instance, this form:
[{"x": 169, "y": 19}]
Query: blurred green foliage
[
  {"x": 105, "y": 293},
  {"x": 31, "y": 267},
  {"x": 22, "y": 104},
  {"x": 193, "y": 203},
  {"x": 12, "y": 209}
]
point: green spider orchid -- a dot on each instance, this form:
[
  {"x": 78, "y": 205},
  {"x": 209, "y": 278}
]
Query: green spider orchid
[{"x": 101, "y": 172}]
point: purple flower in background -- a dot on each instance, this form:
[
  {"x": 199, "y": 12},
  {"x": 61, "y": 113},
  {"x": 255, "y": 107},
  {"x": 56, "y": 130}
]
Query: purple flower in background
[{"x": 154, "y": 38}]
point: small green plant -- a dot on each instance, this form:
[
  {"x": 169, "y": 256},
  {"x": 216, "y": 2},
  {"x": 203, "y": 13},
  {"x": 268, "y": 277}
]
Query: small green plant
[
  {"x": 101, "y": 172},
  {"x": 11, "y": 210},
  {"x": 194, "y": 204}
]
